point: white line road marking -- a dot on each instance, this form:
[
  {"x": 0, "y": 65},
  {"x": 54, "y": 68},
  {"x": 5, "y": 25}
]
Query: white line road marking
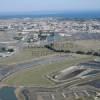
[
  {"x": 76, "y": 96},
  {"x": 53, "y": 97},
  {"x": 64, "y": 95},
  {"x": 86, "y": 93}
]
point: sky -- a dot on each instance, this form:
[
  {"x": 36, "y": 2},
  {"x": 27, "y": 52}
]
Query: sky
[{"x": 48, "y": 5}]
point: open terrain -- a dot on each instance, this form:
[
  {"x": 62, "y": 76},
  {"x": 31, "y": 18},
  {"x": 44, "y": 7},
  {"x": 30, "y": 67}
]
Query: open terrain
[
  {"x": 51, "y": 59},
  {"x": 78, "y": 45},
  {"x": 38, "y": 75},
  {"x": 25, "y": 55}
]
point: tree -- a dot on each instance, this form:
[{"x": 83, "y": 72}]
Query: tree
[
  {"x": 3, "y": 49},
  {"x": 10, "y": 50}
]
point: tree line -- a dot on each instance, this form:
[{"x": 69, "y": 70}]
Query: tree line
[{"x": 91, "y": 52}]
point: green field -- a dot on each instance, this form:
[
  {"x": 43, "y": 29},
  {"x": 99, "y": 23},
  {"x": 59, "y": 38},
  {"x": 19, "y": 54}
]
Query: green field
[
  {"x": 83, "y": 45},
  {"x": 89, "y": 44},
  {"x": 30, "y": 53},
  {"x": 26, "y": 54},
  {"x": 37, "y": 76}
]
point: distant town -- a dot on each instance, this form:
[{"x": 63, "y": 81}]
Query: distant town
[{"x": 18, "y": 33}]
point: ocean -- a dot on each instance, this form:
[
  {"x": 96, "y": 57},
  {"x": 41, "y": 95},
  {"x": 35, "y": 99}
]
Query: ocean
[{"x": 69, "y": 15}]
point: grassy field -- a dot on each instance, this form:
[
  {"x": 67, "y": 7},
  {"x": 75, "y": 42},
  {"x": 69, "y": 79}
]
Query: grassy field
[
  {"x": 30, "y": 53},
  {"x": 89, "y": 44},
  {"x": 26, "y": 54},
  {"x": 37, "y": 75},
  {"x": 83, "y": 45}
]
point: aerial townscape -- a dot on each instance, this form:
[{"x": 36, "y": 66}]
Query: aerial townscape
[
  {"x": 49, "y": 49},
  {"x": 51, "y": 58}
]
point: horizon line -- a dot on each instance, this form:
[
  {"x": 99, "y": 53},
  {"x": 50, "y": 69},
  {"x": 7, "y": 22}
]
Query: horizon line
[{"x": 47, "y": 11}]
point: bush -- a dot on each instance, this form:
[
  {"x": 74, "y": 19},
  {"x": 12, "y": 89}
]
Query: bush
[
  {"x": 89, "y": 52},
  {"x": 96, "y": 54},
  {"x": 80, "y": 52},
  {"x": 10, "y": 50},
  {"x": 67, "y": 51}
]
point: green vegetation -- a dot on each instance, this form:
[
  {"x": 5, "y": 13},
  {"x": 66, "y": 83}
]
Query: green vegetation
[
  {"x": 37, "y": 76},
  {"x": 26, "y": 54},
  {"x": 79, "y": 45},
  {"x": 89, "y": 44},
  {"x": 85, "y": 98}
]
